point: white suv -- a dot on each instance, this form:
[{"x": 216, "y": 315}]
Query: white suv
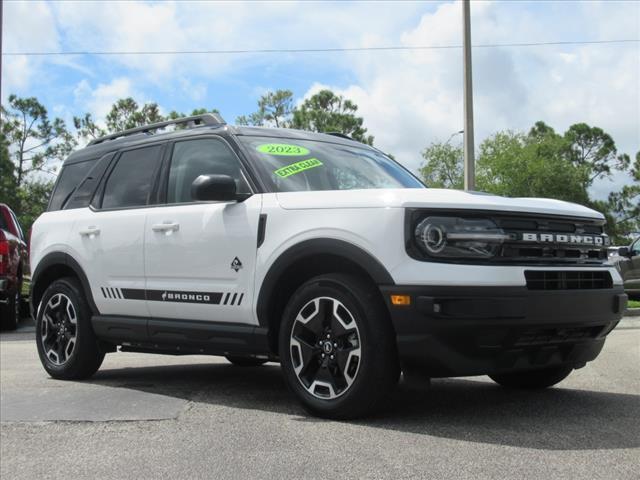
[{"x": 315, "y": 251}]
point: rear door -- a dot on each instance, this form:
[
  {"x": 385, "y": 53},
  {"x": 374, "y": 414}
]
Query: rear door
[
  {"x": 108, "y": 239},
  {"x": 200, "y": 256}
]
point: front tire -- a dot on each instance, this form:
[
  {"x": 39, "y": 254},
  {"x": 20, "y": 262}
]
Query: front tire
[
  {"x": 67, "y": 345},
  {"x": 337, "y": 347},
  {"x": 534, "y": 379}
]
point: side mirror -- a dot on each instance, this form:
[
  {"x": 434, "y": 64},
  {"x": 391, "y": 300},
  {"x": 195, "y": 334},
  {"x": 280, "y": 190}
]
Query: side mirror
[
  {"x": 216, "y": 188},
  {"x": 624, "y": 252}
]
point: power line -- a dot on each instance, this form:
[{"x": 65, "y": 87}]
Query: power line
[{"x": 320, "y": 50}]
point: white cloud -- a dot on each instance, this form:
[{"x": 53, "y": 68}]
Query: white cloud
[
  {"x": 26, "y": 26},
  {"x": 411, "y": 99},
  {"x": 99, "y": 100},
  {"x": 408, "y": 99}
]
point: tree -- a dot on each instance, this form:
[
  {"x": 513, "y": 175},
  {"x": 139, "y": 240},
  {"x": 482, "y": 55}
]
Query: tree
[
  {"x": 594, "y": 150},
  {"x": 274, "y": 109},
  {"x": 623, "y": 208},
  {"x": 8, "y": 184},
  {"x": 533, "y": 165},
  {"x": 31, "y": 145},
  {"x": 34, "y": 140},
  {"x": 327, "y": 112},
  {"x": 443, "y": 166},
  {"x": 34, "y": 198},
  {"x": 87, "y": 128},
  {"x": 126, "y": 114}
]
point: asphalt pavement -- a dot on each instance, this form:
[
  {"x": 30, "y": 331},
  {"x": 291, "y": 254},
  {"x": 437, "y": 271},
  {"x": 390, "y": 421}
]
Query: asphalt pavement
[{"x": 149, "y": 416}]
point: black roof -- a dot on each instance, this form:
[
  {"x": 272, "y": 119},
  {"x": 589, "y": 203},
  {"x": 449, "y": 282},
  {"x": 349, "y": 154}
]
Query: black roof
[{"x": 97, "y": 150}]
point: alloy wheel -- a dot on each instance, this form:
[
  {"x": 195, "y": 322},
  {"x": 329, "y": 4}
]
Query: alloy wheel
[
  {"x": 325, "y": 348},
  {"x": 58, "y": 329}
]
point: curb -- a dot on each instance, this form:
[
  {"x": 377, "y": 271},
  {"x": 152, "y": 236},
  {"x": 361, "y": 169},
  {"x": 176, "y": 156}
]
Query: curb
[{"x": 632, "y": 312}]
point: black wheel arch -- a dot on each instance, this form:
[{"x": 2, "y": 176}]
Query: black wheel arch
[
  {"x": 303, "y": 261},
  {"x": 53, "y": 266}
]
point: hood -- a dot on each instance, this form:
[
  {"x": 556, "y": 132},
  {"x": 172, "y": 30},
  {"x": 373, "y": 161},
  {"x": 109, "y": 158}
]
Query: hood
[{"x": 429, "y": 198}]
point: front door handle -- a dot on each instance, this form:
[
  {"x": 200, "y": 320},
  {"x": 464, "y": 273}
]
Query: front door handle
[
  {"x": 166, "y": 227},
  {"x": 89, "y": 231}
]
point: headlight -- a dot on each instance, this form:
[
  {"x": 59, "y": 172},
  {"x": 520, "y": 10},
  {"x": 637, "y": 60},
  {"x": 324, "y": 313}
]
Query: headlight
[{"x": 455, "y": 237}]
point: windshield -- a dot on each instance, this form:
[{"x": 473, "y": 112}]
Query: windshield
[{"x": 293, "y": 165}]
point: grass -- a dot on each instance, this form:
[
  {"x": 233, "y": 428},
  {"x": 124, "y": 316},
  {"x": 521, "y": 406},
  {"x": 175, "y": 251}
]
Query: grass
[{"x": 634, "y": 304}]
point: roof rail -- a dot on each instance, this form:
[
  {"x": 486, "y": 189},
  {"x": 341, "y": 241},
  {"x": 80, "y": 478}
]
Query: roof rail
[
  {"x": 207, "y": 119},
  {"x": 339, "y": 134}
]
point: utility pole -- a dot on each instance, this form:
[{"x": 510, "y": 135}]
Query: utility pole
[{"x": 469, "y": 159}]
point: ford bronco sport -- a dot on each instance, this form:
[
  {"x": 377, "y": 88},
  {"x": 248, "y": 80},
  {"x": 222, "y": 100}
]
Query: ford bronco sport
[{"x": 314, "y": 251}]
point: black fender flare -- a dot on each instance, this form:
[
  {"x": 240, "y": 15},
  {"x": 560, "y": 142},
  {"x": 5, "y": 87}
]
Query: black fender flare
[
  {"x": 60, "y": 258},
  {"x": 308, "y": 248}
]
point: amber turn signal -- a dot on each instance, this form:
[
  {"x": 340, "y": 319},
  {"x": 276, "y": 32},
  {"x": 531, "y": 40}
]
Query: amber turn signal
[{"x": 400, "y": 300}]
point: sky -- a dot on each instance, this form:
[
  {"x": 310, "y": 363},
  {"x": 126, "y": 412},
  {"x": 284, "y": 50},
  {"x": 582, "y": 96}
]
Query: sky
[{"x": 408, "y": 99}]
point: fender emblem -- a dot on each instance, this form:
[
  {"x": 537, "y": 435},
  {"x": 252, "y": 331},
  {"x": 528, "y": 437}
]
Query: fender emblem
[{"x": 236, "y": 264}]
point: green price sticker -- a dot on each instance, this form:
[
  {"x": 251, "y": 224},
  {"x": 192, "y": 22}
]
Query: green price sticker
[
  {"x": 282, "y": 149},
  {"x": 298, "y": 167}
]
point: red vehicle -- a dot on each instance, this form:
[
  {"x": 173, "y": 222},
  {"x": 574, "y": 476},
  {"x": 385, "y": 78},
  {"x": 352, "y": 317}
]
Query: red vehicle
[{"x": 14, "y": 264}]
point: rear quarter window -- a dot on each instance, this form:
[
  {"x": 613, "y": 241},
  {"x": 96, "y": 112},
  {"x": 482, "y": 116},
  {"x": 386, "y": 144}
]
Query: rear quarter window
[{"x": 69, "y": 178}]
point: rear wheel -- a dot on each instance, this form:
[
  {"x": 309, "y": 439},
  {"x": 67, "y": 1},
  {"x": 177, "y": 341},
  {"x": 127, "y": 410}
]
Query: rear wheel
[
  {"x": 246, "y": 361},
  {"x": 67, "y": 346},
  {"x": 533, "y": 379},
  {"x": 337, "y": 347}
]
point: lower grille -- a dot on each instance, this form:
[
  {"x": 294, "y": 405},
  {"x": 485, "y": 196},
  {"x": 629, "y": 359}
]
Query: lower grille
[
  {"x": 543, "y": 336},
  {"x": 567, "y": 280}
]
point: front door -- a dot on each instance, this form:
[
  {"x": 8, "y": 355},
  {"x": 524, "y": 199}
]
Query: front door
[{"x": 200, "y": 256}]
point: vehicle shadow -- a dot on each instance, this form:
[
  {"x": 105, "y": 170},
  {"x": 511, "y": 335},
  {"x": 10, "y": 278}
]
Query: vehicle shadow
[{"x": 469, "y": 410}]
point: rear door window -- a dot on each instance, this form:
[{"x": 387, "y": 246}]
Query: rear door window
[{"x": 131, "y": 180}]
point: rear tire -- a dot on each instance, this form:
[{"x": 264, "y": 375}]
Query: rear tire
[
  {"x": 338, "y": 347},
  {"x": 10, "y": 312},
  {"x": 534, "y": 379},
  {"x": 245, "y": 361},
  {"x": 67, "y": 345}
]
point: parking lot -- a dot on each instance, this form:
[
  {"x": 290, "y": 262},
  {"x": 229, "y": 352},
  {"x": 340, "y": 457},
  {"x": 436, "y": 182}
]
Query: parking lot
[{"x": 151, "y": 416}]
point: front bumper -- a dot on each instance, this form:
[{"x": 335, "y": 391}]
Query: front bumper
[{"x": 459, "y": 331}]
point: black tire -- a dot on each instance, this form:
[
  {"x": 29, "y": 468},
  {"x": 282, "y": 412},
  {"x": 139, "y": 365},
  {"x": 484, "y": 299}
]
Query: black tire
[
  {"x": 533, "y": 379},
  {"x": 371, "y": 369},
  {"x": 10, "y": 311},
  {"x": 85, "y": 358},
  {"x": 246, "y": 361}
]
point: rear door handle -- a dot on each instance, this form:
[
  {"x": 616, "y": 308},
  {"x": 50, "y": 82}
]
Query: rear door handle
[
  {"x": 89, "y": 231},
  {"x": 166, "y": 227}
]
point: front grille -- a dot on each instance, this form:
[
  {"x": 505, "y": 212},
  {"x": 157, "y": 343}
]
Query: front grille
[
  {"x": 567, "y": 280},
  {"x": 551, "y": 252}
]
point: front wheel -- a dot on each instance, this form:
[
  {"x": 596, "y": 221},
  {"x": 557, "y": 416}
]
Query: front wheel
[
  {"x": 337, "y": 347},
  {"x": 67, "y": 346},
  {"x": 533, "y": 379}
]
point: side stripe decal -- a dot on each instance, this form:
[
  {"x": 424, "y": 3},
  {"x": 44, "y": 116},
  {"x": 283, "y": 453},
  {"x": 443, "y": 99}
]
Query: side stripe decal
[{"x": 211, "y": 298}]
